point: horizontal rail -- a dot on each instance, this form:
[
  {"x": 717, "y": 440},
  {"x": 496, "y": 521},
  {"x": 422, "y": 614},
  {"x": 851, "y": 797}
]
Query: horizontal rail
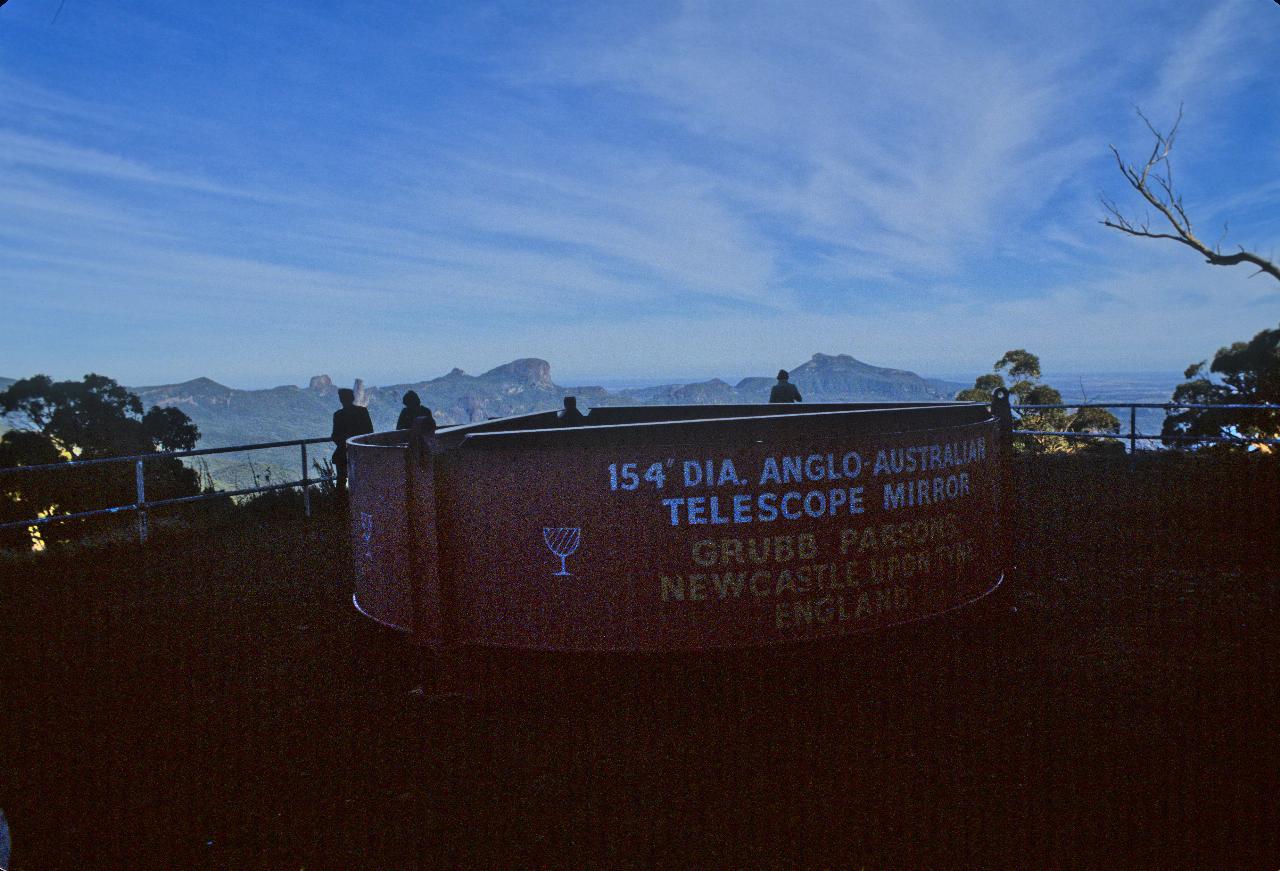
[
  {"x": 198, "y": 452},
  {"x": 141, "y": 506},
  {"x": 53, "y": 518},
  {"x": 1164, "y": 405},
  {"x": 160, "y": 503},
  {"x": 1133, "y": 437},
  {"x": 1124, "y": 436}
]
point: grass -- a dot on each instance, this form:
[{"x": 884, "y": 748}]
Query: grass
[{"x": 213, "y": 701}]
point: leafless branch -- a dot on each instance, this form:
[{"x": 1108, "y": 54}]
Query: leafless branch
[{"x": 1154, "y": 182}]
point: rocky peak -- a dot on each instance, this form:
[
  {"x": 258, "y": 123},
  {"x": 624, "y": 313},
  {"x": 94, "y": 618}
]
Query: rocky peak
[
  {"x": 829, "y": 361},
  {"x": 528, "y": 371},
  {"x": 834, "y": 378},
  {"x": 362, "y": 395},
  {"x": 321, "y": 383}
]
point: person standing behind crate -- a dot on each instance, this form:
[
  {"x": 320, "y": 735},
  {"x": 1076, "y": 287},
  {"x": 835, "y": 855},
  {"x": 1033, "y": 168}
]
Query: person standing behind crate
[
  {"x": 350, "y": 420},
  {"x": 413, "y": 409},
  {"x": 784, "y": 390}
]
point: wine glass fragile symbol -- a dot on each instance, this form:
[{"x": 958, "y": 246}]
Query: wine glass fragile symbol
[
  {"x": 562, "y": 541},
  {"x": 366, "y": 533}
]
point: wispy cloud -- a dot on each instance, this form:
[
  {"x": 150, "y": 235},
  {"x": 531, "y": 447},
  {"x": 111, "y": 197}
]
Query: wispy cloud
[
  {"x": 887, "y": 136},
  {"x": 43, "y": 153},
  {"x": 1221, "y": 51}
]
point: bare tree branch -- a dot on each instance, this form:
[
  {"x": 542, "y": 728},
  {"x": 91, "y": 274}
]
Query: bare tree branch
[{"x": 1154, "y": 182}]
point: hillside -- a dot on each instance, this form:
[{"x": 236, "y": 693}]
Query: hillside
[{"x": 4, "y": 383}]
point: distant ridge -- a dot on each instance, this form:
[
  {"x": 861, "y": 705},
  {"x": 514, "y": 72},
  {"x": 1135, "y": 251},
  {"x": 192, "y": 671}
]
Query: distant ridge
[{"x": 229, "y": 416}]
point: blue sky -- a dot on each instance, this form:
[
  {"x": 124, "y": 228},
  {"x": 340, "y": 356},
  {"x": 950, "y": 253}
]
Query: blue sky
[{"x": 258, "y": 192}]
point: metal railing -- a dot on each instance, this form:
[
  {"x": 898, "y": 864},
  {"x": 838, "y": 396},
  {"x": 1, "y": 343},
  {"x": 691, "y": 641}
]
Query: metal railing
[
  {"x": 142, "y": 506},
  {"x": 1133, "y": 436}
]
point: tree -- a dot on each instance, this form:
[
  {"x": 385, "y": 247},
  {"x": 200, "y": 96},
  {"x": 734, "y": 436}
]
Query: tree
[
  {"x": 1249, "y": 371},
  {"x": 58, "y": 421},
  {"x": 1249, "y": 374},
  {"x": 27, "y": 496},
  {"x": 1029, "y": 390},
  {"x": 170, "y": 429},
  {"x": 1154, "y": 182}
]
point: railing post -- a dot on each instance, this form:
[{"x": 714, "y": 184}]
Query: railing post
[
  {"x": 1003, "y": 412},
  {"x": 141, "y": 504},
  {"x": 1133, "y": 429},
  {"x": 306, "y": 484}
]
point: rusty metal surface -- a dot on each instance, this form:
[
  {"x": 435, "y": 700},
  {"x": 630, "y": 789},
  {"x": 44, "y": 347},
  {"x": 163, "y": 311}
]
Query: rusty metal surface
[
  {"x": 694, "y": 534},
  {"x": 379, "y": 535}
]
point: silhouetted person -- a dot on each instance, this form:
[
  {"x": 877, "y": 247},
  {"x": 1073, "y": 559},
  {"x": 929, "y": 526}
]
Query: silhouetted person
[
  {"x": 414, "y": 409},
  {"x": 571, "y": 416},
  {"x": 350, "y": 420},
  {"x": 784, "y": 390}
]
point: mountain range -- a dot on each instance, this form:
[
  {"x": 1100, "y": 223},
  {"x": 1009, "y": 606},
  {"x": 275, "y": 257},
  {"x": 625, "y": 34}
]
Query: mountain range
[{"x": 229, "y": 416}]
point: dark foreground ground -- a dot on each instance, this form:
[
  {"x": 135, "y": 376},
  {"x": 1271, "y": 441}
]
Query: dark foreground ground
[{"x": 217, "y": 704}]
